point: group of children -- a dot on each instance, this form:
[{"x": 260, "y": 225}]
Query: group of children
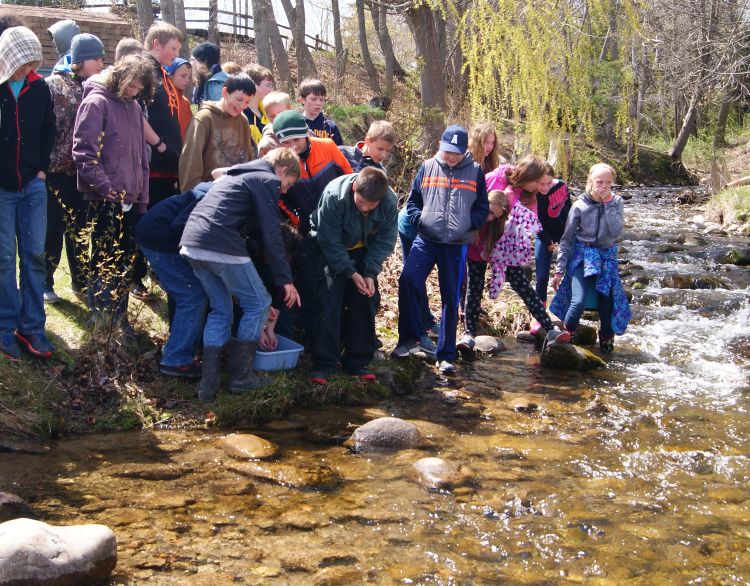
[{"x": 258, "y": 212}]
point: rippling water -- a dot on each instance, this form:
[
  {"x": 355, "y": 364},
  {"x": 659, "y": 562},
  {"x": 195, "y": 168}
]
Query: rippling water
[{"x": 635, "y": 474}]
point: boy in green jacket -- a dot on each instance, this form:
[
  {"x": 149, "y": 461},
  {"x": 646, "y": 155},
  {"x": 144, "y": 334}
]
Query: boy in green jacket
[{"x": 354, "y": 226}]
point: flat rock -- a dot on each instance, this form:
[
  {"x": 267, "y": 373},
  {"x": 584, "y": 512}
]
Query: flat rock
[
  {"x": 568, "y": 356},
  {"x": 440, "y": 474},
  {"x": 32, "y": 552},
  {"x": 677, "y": 282},
  {"x": 246, "y": 446},
  {"x": 13, "y": 506},
  {"x": 691, "y": 239},
  {"x": 740, "y": 256},
  {"x": 708, "y": 282},
  {"x": 667, "y": 248},
  {"x": 488, "y": 345},
  {"x": 149, "y": 471},
  {"x": 317, "y": 477},
  {"x": 384, "y": 433},
  {"x": 523, "y": 405}
]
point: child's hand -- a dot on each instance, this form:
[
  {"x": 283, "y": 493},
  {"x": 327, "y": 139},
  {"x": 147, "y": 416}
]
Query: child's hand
[
  {"x": 291, "y": 296},
  {"x": 370, "y": 282},
  {"x": 556, "y": 281},
  {"x": 360, "y": 284},
  {"x": 551, "y": 247},
  {"x": 268, "y": 341}
]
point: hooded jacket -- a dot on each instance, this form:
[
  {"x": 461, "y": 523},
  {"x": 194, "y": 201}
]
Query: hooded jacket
[
  {"x": 67, "y": 92},
  {"x": 338, "y": 225},
  {"x": 242, "y": 205},
  {"x": 323, "y": 127},
  {"x": 213, "y": 139},
  {"x": 357, "y": 159},
  {"x": 593, "y": 224},
  {"x": 109, "y": 149},
  {"x": 447, "y": 204}
]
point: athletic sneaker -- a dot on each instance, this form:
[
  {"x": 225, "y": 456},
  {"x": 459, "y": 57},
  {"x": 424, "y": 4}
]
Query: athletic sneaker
[
  {"x": 445, "y": 367},
  {"x": 192, "y": 370},
  {"x": 36, "y": 343},
  {"x": 466, "y": 342},
  {"x": 51, "y": 297},
  {"x": 319, "y": 377},
  {"x": 364, "y": 375},
  {"x": 405, "y": 349},
  {"x": 9, "y": 346},
  {"x": 426, "y": 344},
  {"x": 556, "y": 336}
]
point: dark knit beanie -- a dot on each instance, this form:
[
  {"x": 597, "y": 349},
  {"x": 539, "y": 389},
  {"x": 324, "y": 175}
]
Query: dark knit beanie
[
  {"x": 85, "y": 46},
  {"x": 290, "y": 124},
  {"x": 209, "y": 53}
]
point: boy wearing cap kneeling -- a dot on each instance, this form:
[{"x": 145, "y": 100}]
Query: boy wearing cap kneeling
[
  {"x": 447, "y": 204},
  {"x": 354, "y": 226}
]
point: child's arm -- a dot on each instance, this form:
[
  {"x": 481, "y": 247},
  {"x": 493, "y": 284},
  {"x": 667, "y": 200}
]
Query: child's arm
[
  {"x": 381, "y": 245},
  {"x": 329, "y": 232},
  {"x": 480, "y": 209},
  {"x": 268, "y": 340},
  {"x": 191, "y": 159},
  {"x": 415, "y": 203},
  {"x": 567, "y": 243},
  {"x": 614, "y": 215}
]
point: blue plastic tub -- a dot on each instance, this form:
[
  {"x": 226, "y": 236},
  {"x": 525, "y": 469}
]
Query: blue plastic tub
[{"x": 284, "y": 357}]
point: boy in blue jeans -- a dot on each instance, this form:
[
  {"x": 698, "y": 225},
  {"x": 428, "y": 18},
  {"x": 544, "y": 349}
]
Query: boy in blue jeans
[
  {"x": 27, "y": 133},
  {"x": 447, "y": 204}
]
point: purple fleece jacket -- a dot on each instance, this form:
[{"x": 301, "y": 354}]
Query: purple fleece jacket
[{"x": 109, "y": 148}]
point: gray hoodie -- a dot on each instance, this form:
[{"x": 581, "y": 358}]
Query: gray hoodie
[{"x": 593, "y": 223}]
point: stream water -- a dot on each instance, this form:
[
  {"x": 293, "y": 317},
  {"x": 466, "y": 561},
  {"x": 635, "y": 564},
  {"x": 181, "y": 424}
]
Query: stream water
[{"x": 637, "y": 473}]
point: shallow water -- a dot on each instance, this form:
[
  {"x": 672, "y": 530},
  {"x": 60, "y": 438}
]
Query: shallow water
[{"x": 635, "y": 474}]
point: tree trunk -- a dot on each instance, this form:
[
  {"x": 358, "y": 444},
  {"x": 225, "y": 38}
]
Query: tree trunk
[
  {"x": 338, "y": 45},
  {"x": 721, "y": 124},
  {"x": 426, "y": 30},
  {"x": 393, "y": 68},
  {"x": 180, "y": 23},
  {"x": 167, "y": 11},
  {"x": 213, "y": 22},
  {"x": 262, "y": 35},
  {"x": 296, "y": 17},
  {"x": 687, "y": 125},
  {"x": 145, "y": 9},
  {"x": 372, "y": 73},
  {"x": 277, "y": 47}
]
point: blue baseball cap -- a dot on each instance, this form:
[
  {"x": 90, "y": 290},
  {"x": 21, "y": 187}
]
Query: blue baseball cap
[{"x": 455, "y": 139}]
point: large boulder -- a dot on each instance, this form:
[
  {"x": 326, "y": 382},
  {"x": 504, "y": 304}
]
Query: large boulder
[
  {"x": 13, "y": 506},
  {"x": 384, "y": 433},
  {"x": 439, "y": 474},
  {"x": 568, "y": 356},
  {"x": 740, "y": 256},
  {"x": 32, "y": 552},
  {"x": 246, "y": 446}
]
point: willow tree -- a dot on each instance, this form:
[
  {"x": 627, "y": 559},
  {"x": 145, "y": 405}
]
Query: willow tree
[{"x": 536, "y": 62}]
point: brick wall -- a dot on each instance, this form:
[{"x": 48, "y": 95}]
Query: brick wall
[{"x": 108, "y": 27}]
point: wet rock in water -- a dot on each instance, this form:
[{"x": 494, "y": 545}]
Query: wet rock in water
[
  {"x": 597, "y": 407},
  {"x": 488, "y": 345},
  {"x": 32, "y": 552},
  {"x": 440, "y": 474},
  {"x": 338, "y": 575},
  {"x": 740, "y": 346},
  {"x": 306, "y": 477},
  {"x": 691, "y": 239},
  {"x": 707, "y": 282},
  {"x": 740, "y": 256},
  {"x": 568, "y": 356},
  {"x": 585, "y": 336},
  {"x": 503, "y": 453},
  {"x": 667, "y": 248},
  {"x": 149, "y": 471},
  {"x": 246, "y": 446},
  {"x": 384, "y": 433},
  {"x": 13, "y": 506},
  {"x": 677, "y": 282},
  {"x": 523, "y": 405}
]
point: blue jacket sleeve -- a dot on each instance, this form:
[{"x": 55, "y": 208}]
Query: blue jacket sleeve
[
  {"x": 481, "y": 207},
  {"x": 414, "y": 203}
]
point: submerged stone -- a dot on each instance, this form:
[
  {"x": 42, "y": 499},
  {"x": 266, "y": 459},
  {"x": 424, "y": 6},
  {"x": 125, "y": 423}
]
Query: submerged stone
[
  {"x": 740, "y": 256},
  {"x": 311, "y": 477},
  {"x": 523, "y": 405},
  {"x": 440, "y": 474},
  {"x": 568, "y": 356},
  {"x": 384, "y": 433},
  {"x": 667, "y": 248},
  {"x": 246, "y": 446},
  {"x": 13, "y": 506},
  {"x": 488, "y": 345},
  {"x": 149, "y": 471},
  {"x": 677, "y": 282},
  {"x": 32, "y": 552}
]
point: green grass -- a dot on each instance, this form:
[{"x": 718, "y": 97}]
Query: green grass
[{"x": 731, "y": 205}]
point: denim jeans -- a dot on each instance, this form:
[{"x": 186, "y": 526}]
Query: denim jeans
[
  {"x": 428, "y": 319},
  {"x": 580, "y": 287},
  {"x": 543, "y": 261},
  {"x": 221, "y": 282},
  {"x": 186, "y": 293},
  {"x": 23, "y": 220}
]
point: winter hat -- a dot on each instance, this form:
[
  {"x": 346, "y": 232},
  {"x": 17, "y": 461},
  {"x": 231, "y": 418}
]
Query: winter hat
[
  {"x": 176, "y": 64},
  {"x": 209, "y": 53},
  {"x": 18, "y": 46},
  {"x": 290, "y": 124},
  {"x": 62, "y": 33},
  {"x": 85, "y": 46},
  {"x": 455, "y": 139}
]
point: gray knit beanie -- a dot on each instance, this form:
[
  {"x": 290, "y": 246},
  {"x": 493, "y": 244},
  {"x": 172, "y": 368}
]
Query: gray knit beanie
[{"x": 85, "y": 46}]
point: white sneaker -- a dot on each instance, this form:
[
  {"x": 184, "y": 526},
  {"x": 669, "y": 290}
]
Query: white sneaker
[
  {"x": 51, "y": 297},
  {"x": 445, "y": 367}
]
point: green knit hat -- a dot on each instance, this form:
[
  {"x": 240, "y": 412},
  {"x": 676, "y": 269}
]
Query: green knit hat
[{"x": 290, "y": 124}]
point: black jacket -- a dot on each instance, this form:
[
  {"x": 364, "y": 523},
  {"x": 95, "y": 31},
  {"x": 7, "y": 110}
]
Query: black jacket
[
  {"x": 553, "y": 210},
  {"x": 162, "y": 116},
  {"x": 242, "y": 205},
  {"x": 27, "y": 132}
]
